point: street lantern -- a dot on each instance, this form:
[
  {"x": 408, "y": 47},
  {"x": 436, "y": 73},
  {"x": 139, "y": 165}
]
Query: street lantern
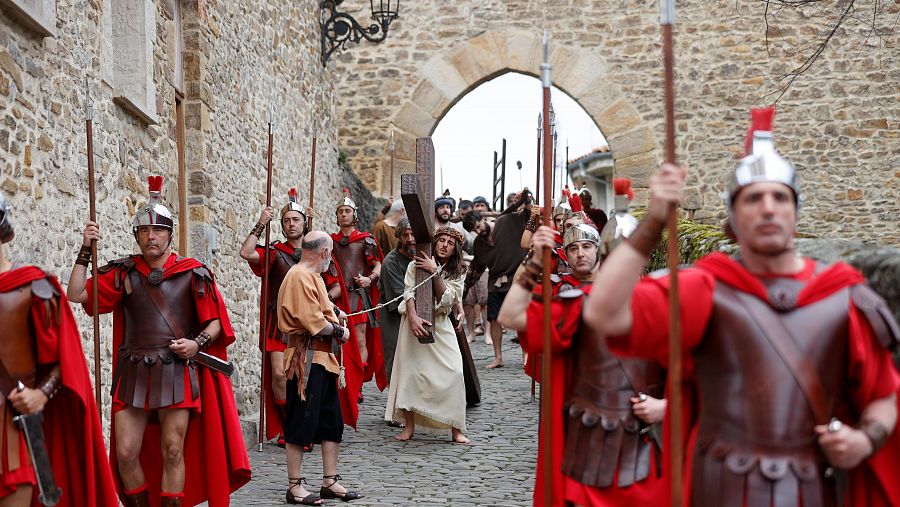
[{"x": 340, "y": 27}]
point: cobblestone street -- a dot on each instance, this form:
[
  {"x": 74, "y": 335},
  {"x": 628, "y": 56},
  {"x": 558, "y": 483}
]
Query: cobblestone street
[{"x": 497, "y": 468}]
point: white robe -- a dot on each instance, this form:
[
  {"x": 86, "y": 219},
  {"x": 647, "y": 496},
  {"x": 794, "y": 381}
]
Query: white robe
[{"x": 427, "y": 379}]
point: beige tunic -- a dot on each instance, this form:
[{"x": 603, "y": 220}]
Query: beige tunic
[
  {"x": 427, "y": 379},
  {"x": 303, "y": 311}
]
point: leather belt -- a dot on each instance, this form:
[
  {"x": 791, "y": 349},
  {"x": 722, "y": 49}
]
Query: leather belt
[{"x": 320, "y": 344}]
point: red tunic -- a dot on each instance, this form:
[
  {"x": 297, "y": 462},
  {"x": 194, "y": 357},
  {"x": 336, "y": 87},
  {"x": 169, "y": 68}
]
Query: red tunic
[
  {"x": 873, "y": 483},
  {"x": 71, "y": 421},
  {"x": 214, "y": 454},
  {"x": 272, "y": 341},
  {"x": 375, "y": 366},
  {"x": 566, "y": 315}
]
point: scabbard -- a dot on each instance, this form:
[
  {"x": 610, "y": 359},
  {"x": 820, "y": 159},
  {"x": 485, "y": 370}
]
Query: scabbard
[
  {"x": 367, "y": 306},
  {"x": 32, "y": 428},
  {"x": 214, "y": 363}
]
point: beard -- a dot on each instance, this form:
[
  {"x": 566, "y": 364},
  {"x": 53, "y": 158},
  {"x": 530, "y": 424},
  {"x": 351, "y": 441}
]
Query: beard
[
  {"x": 443, "y": 217},
  {"x": 409, "y": 250}
]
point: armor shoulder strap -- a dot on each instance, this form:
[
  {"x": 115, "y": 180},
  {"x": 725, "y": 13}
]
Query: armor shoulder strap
[
  {"x": 125, "y": 263},
  {"x": 202, "y": 280},
  {"x": 332, "y": 269},
  {"x": 878, "y": 314},
  {"x": 44, "y": 290},
  {"x": 371, "y": 246}
]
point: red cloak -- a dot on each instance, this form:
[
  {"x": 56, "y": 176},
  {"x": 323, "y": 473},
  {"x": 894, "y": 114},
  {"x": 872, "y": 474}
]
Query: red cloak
[
  {"x": 352, "y": 362},
  {"x": 375, "y": 366},
  {"x": 71, "y": 419},
  {"x": 273, "y": 343},
  {"x": 215, "y": 458},
  {"x": 873, "y": 483},
  {"x": 566, "y": 315}
]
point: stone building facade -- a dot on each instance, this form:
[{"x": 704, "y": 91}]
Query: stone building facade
[
  {"x": 839, "y": 123},
  {"x": 182, "y": 89}
]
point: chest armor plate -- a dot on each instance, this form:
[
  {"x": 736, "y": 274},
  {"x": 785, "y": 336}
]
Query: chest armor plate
[
  {"x": 17, "y": 345},
  {"x": 277, "y": 271},
  {"x": 352, "y": 260},
  {"x": 146, "y": 331},
  {"x": 756, "y": 426},
  {"x": 603, "y": 436}
]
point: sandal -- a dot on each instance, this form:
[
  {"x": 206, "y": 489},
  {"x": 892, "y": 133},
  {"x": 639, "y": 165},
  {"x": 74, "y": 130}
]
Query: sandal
[
  {"x": 327, "y": 493},
  {"x": 310, "y": 499}
]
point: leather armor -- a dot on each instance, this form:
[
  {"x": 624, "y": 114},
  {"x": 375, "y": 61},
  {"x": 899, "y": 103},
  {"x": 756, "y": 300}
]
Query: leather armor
[
  {"x": 149, "y": 375},
  {"x": 281, "y": 264},
  {"x": 352, "y": 260},
  {"x": 756, "y": 445},
  {"x": 603, "y": 435}
]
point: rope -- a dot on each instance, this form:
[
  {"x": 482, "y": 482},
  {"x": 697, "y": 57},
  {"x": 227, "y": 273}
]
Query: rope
[{"x": 398, "y": 298}]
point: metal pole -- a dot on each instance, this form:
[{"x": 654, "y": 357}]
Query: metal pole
[{"x": 537, "y": 164}]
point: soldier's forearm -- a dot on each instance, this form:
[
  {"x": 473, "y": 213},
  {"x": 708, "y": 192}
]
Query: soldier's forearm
[
  {"x": 51, "y": 383},
  {"x": 213, "y": 329},
  {"x": 75, "y": 289},
  {"x": 609, "y": 311},
  {"x": 248, "y": 249},
  {"x": 513, "y": 313},
  {"x": 879, "y": 420}
]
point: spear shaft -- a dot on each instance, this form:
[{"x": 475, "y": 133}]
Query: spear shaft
[
  {"x": 92, "y": 204},
  {"x": 674, "y": 374},
  {"x": 264, "y": 324},
  {"x": 537, "y": 164},
  {"x": 312, "y": 180},
  {"x": 392, "y": 165},
  {"x": 546, "y": 371}
]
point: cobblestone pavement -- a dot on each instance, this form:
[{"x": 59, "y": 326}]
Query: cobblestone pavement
[{"x": 497, "y": 468}]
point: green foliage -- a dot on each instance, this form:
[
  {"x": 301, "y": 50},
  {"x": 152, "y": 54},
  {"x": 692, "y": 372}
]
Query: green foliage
[
  {"x": 342, "y": 158},
  {"x": 695, "y": 241}
]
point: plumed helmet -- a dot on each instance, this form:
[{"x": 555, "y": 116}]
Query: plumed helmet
[
  {"x": 762, "y": 162},
  {"x": 446, "y": 230},
  {"x": 6, "y": 229},
  {"x": 581, "y": 232},
  {"x": 347, "y": 201},
  {"x": 621, "y": 222},
  {"x": 154, "y": 212},
  {"x": 293, "y": 204}
]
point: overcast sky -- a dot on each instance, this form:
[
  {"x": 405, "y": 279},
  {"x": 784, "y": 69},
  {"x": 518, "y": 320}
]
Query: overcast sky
[{"x": 507, "y": 106}]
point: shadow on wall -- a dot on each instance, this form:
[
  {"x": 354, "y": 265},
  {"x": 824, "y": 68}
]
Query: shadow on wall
[{"x": 369, "y": 205}]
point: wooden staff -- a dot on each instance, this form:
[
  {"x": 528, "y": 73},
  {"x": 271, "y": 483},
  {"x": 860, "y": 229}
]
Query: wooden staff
[
  {"x": 264, "y": 321},
  {"x": 392, "y": 165},
  {"x": 676, "y": 442},
  {"x": 312, "y": 179},
  {"x": 92, "y": 204},
  {"x": 537, "y": 167},
  {"x": 546, "y": 375}
]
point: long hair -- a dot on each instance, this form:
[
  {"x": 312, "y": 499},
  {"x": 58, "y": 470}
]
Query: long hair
[{"x": 454, "y": 268}]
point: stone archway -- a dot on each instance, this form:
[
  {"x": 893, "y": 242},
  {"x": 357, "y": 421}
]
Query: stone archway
[{"x": 450, "y": 75}]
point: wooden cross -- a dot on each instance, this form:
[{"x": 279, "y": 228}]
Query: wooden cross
[{"x": 417, "y": 192}]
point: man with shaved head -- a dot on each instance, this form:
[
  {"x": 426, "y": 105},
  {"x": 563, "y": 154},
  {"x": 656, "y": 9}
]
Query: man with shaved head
[{"x": 313, "y": 411}]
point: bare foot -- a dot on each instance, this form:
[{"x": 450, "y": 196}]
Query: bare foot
[
  {"x": 403, "y": 437},
  {"x": 497, "y": 363},
  {"x": 488, "y": 341},
  {"x": 458, "y": 437}
]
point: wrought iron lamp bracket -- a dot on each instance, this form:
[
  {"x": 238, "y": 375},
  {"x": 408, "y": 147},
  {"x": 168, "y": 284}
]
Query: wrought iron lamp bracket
[{"x": 338, "y": 28}]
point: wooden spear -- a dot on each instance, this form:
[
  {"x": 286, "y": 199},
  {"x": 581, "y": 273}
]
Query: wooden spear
[
  {"x": 264, "y": 321},
  {"x": 92, "y": 204},
  {"x": 312, "y": 178},
  {"x": 392, "y": 165},
  {"x": 676, "y": 441},
  {"x": 537, "y": 165},
  {"x": 546, "y": 374}
]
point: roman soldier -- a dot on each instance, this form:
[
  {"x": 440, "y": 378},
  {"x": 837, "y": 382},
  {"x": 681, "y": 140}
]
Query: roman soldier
[
  {"x": 43, "y": 377},
  {"x": 283, "y": 255},
  {"x": 359, "y": 263},
  {"x": 621, "y": 223},
  {"x": 176, "y": 437},
  {"x": 606, "y": 444},
  {"x": 796, "y": 392}
]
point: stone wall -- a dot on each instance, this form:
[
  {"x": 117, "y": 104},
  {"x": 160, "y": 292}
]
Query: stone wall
[
  {"x": 239, "y": 59},
  {"x": 838, "y": 123}
]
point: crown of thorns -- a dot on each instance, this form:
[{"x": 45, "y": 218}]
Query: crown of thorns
[{"x": 446, "y": 230}]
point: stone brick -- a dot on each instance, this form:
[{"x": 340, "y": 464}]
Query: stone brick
[{"x": 635, "y": 142}]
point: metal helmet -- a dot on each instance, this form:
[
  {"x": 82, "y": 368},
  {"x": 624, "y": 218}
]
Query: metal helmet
[
  {"x": 347, "y": 201},
  {"x": 6, "y": 229},
  {"x": 621, "y": 222},
  {"x": 561, "y": 209},
  {"x": 762, "y": 163},
  {"x": 154, "y": 212},
  {"x": 293, "y": 204},
  {"x": 581, "y": 232}
]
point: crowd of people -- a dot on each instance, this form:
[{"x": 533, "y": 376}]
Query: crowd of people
[{"x": 789, "y": 396}]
